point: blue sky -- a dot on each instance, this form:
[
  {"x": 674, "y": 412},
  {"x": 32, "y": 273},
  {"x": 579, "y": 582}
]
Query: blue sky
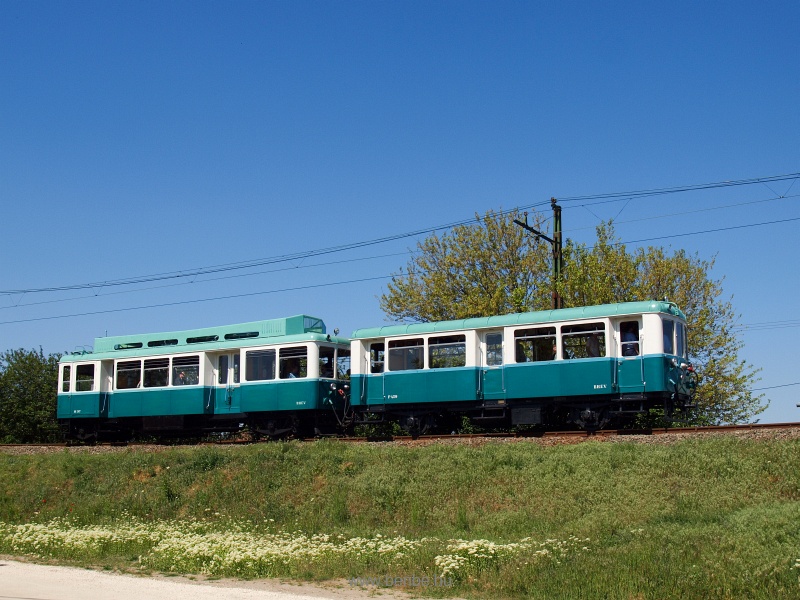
[{"x": 157, "y": 137}]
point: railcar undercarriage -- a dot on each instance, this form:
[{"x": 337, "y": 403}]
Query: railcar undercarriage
[{"x": 587, "y": 413}]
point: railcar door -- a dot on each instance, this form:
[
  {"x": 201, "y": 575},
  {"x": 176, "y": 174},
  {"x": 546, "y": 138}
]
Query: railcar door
[
  {"x": 492, "y": 373},
  {"x": 372, "y": 392},
  {"x": 630, "y": 367},
  {"x": 226, "y": 384}
]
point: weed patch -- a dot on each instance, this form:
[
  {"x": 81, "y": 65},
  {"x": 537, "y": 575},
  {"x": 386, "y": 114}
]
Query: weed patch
[{"x": 716, "y": 518}]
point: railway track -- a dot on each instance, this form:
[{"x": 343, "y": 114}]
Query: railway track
[
  {"x": 553, "y": 437},
  {"x": 594, "y": 434}
]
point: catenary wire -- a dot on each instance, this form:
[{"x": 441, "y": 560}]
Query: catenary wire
[
  {"x": 732, "y": 227},
  {"x": 200, "y": 300},
  {"x": 209, "y": 280},
  {"x": 680, "y": 189},
  {"x": 772, "y": 387},
  {"x": 682, "y": 214},
  {"x": 361, "y": 244},
  {"x": 358, "y": 280},
  {"x": 228, "y": 277},
  {"x": 252, "y": 263}
]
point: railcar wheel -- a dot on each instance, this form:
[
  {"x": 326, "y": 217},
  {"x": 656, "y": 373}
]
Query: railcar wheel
[
  {"x": 273, "y": 429},
  {"x": 86, "y": 436},
  {"x": 591, "y": 419},
  {"x": 417, "y": 426}
]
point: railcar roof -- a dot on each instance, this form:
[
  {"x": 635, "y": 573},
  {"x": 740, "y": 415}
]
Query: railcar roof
[
  {"x": 542, "y": 316},
  {"x": 299, "y": 328}
]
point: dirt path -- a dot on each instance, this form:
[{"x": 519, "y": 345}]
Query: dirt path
[{"x": 27, "y": 581}]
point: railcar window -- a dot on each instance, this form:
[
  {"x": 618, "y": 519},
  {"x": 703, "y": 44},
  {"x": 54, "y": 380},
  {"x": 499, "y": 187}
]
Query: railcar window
[
  {"x": 294, "y": 362},
  {"x": 236, "y": 359},
  {"x": 669, "y": 334},
  {"x": 406, "y": 355},
  {"x": 156, "y": 372},
  {"x": 84, "y": 378},
  {"x": 343, "y": 363},
  {"x": 447, "y": 351},
  {"x": 222, "y": 369},
  {"x": 201, "y": 339},
  {"x": 65, "y": 377},
  {"x": 129, "y": 374},
  {"x": 327, "y": 356},
  {"x": 629, "y": 334},
  {"x": 157, "y": 343},
  {"x": 494, "y": 349},
  {"x": 376, "y": 357},
  {"x": 259, "y": 365},
  {"x": 534, "y": 345},
  {"x": 241, "y": 336},
  {"x": 315, "y": 325},
  {"x": 680, "y": 336},
  {"x": 584, "y": 341},
  {"x": 189, "y": 366},
  {"x": 131, "y": 346}
]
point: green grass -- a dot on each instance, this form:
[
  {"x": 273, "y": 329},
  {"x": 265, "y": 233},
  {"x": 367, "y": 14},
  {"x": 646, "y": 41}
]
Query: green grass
[{"x": 716, "y": 518}]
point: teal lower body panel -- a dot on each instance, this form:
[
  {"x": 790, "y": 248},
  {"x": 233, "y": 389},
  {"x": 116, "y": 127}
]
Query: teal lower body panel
[
  {"x": 82, "y": 405},
  {"x": 126, "y": 404},
  {"x": 577, "y": 378},
  {"x": 259, "y": 397},
  {"x": 652, "y": 374},
  {"x": 300, "y": 395},
  {"x": 552, "y": 379},
  {"x": 422, "y": 387},
  {"x": 160, "y": 402},
  {"x": 595, "y": 377},
  {"x": 367, "y": 390},
  {"x": 453, "y": 385},
  {"x": 282, "y": 395},
  {"x": 406, "y": 387},
  {"x": 664, "y": 376},
  {"x": 190, "y": 401}
]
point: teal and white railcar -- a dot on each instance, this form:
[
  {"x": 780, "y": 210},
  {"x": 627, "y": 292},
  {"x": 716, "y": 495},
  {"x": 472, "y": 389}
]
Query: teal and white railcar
[
  {"x": 276, "y": 376},
  {"x": 584, "y": 365}
]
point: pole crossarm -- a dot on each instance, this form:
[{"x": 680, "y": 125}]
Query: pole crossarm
[{"x": 532, "y": 230}]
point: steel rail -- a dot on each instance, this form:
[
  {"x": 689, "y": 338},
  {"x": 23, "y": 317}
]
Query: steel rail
[{"x": 454, "y": 436}]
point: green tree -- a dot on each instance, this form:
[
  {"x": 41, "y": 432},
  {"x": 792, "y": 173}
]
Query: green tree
[
  {"x": 471, "y": 271},
  {"x": 607, "y": 272},
  {"x": 494, "y": 267},
  {"x": 28, "y": 381}
]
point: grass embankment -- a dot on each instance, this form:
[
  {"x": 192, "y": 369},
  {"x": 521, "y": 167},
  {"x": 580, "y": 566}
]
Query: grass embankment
[{"x": 716, "y": 518}]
